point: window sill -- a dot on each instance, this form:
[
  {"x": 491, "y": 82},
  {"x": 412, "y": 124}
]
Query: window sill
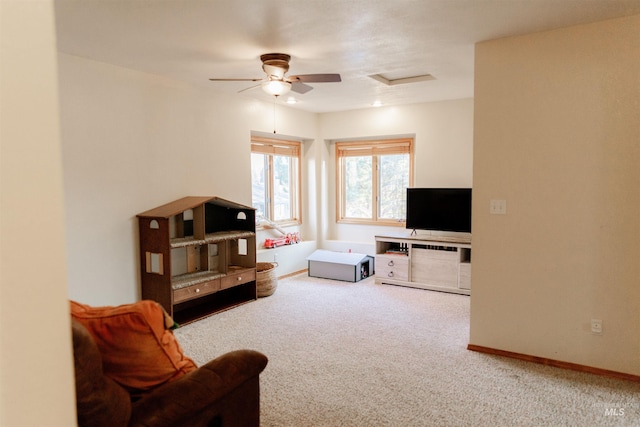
[{"x": 387, "y": 223}]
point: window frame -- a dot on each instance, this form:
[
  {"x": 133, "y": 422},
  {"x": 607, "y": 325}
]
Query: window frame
[
  {"x": 374, "y": 148},
  {"x": 290, "y": 148}
]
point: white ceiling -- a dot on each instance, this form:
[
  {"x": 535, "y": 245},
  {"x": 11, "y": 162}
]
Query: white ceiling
[{"x": 192, "y": 40}]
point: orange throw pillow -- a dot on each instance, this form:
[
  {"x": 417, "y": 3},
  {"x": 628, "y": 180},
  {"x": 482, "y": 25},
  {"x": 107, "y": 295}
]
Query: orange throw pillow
[{"x": 138, "y": 351}]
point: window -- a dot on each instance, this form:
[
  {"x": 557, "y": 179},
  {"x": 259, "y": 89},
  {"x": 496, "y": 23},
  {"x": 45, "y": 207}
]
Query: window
[
  {"x": 275, "y": 179},
  {"x": 372, "y": 180}
]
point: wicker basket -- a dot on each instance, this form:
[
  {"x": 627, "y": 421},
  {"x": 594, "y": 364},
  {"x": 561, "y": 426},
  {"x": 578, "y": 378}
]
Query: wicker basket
[{"x": 266, "y": 280}]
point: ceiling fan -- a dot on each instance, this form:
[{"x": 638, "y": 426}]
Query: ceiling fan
[{"x": 276, "y": 65}]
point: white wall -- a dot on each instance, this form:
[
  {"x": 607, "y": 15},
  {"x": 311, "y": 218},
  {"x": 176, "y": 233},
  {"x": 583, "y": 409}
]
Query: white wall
[
  {"x": 132, "y": 141},
  {"x": 556, "y": 135},
  {"x": 443, "y": 133},
  {"x": 36, "y": 368}
]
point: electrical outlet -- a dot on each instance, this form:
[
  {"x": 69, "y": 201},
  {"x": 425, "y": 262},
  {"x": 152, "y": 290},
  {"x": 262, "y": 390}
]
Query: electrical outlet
[{"x": 596, "y": 326}]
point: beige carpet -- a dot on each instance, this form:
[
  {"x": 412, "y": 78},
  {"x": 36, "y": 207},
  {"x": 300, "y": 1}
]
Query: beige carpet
[{"x": 360, "y": 354}]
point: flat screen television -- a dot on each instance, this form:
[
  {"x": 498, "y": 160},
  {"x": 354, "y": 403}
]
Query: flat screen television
[{"x": 439, "y": 209}]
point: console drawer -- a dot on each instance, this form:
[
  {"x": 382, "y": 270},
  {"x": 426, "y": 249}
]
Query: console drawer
[{"x": 394, "y": 267}]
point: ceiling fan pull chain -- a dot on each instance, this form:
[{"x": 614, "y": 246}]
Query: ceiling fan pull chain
[{"x": 275, "y": 97}]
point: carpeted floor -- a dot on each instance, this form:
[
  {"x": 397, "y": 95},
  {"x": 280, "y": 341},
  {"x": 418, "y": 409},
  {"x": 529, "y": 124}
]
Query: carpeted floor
[{"x": 360, "y": 354}]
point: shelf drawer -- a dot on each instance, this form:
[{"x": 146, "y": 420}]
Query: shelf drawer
[
  {"x": 395, "y": 267},
  {"x": 195, "y": 291},
  {"x": 236, "y": 279}
]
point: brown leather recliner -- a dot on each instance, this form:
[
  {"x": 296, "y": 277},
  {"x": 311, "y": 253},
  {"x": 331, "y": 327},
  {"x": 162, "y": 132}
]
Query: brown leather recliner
[{"x": 223, "y": 392}]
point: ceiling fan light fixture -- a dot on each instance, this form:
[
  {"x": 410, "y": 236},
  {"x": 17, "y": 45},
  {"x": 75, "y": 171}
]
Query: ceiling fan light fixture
[
  {"x": 275, "y": 66},
  {"x": 276, "y": 87}
]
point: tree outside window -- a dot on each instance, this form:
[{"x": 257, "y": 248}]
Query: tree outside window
[
  {"x": 372, "y": 180},
  {"x": 275, "y": 179}
]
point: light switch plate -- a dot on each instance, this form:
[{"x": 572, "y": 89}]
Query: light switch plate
[{"x": 498, "y": 207}]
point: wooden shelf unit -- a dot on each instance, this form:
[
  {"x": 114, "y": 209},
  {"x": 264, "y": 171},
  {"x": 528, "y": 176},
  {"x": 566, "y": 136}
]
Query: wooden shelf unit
[
  {"x": 439, "y": 263},
  {"x": 198, "y": 256}
]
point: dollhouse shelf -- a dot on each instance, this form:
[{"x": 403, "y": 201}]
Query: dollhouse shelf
[{"x": 198, "y": 256}]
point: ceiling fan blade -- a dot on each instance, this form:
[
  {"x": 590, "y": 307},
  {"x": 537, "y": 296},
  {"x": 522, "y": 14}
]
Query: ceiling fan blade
[
  {"x": 250, "y": 87},
  {"x": 235, "y": 80},
  {"x": 316, "y": 78},
  {"x": 300, "y": 87},
  {"x": 274, "y": 72}
]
